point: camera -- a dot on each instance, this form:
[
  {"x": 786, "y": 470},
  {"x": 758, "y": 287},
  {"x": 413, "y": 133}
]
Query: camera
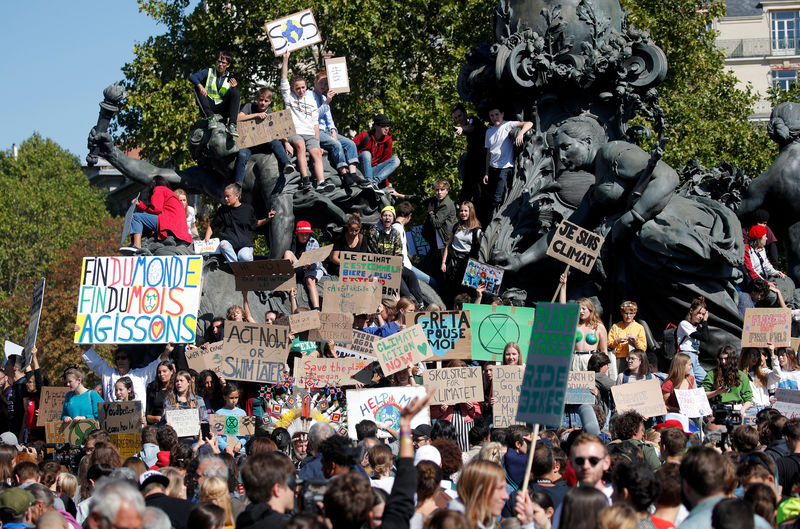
[
  {"x": 65, "y": 454},
  {"x": 311, "y": 494},
  {"x": 727, "y": 415}
]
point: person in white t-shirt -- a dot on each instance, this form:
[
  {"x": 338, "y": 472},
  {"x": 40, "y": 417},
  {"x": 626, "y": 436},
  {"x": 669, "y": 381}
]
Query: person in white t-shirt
[{"x": 500, "y": 152}]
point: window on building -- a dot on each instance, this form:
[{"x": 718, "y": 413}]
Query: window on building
[
  {"x": 785, "y": 32},
  {"x": 782, "y": 78}
]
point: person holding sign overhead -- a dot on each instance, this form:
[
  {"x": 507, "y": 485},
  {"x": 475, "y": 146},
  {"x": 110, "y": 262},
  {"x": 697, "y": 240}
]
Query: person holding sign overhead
[{"x": 79, "y": 403}]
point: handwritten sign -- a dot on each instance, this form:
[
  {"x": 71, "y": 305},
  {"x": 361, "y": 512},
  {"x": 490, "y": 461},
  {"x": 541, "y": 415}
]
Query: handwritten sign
[
  {"x": 449, "y": 333},
  {"x": 51, "y": 404},
  {"x": 579, "y": 385},
  {"x": 232, "y": 425},
  {"x": 33, "y": 320},
  {"x": 73, "y": 433},
  {"x": 313, "y": 256},
  {"x": 575, "y": 246},
  {"x": 334, "y": 371},
  {"x": 185, "y": 422},
  {"x": 139, "y": 299},
  {"x": 208, "y": 357},
  {"x": 128, "y": 444},
  {"x": 454, "y": 385},
  {"x": 506, "y": 387},
  {"x": 363, "y": 342},
  {"x": 355, "y": 298},
  {"x": 271, "y": 283},
  {"x": 494, "y": 327},
  {"x": 763, "y": 326},
  {"x": 385, "y": 269},
  {"x": 338, "y": 80},
  {"x": 201, "y": 246},
  {"x": 383, "y": 406},
  {"x": 120, "y": 417},
  {"x": 417, "y": 245},
  {"x": 546, "y": 372},
  {"x": 336, "y": 326},
  {"x": 293, "y": 32},
  {"x": 263, "y": 267},
  {"x": 253, "y": 352},
  {"x": 258, "y": 131},
  {"x": 644, "y": 396},
  {"x": 126, "y": 225},
  {"x": 693, "y": 402},
  {"x": 401, "y": 350},
  {"x": 480, "y": 274},
  {"x": 344, "y": 352},
  {"x": 304, "y": 321}
]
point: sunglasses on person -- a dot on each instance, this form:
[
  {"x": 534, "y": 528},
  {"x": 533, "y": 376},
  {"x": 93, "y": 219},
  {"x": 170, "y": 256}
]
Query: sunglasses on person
[{"x": 593, "y": 461}]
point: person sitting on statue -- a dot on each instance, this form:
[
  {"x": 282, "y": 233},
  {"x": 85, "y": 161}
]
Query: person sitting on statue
[
  {"x": 375, "y": 152},
  {"x": 258, "y": 110},
  {"x": 312, "y": 273},
  {"x": 216, "y": 93},
  {"x": 165, "y": 215},
  {"x": 756, "y": 261},
  {"x": 236, "y": 221},
  {"x": 500, "y": 153}
]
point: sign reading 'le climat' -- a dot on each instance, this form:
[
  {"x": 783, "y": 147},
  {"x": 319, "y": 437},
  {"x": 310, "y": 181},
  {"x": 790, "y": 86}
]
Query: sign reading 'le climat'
[{"x": 139, "y": 299}]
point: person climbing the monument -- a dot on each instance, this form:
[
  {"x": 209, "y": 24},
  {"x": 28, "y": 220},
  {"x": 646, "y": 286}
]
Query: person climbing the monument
[
  {"x": 375, "y": 152},
  {"x": 756, "y": 261},
  {"x": 470, "y": 165},
  {"x": 500, "y": 153},
  {"x": 258, "y": 110},
  {"x": 305, "y": 116},
  {"x": 217, "y": 94},
  {"x": 235, "y": 223},
  {"x": 304, "y": 241}
]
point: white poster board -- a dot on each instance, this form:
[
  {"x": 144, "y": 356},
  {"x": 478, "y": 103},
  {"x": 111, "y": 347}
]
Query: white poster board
[
  {"x": 693, "y": 402},
  {"x": 338, "y": 81},
  {"x": 383, "y": 406},
  {"x": 185, "y": 422},
  {"x": 293, "y": 32}
]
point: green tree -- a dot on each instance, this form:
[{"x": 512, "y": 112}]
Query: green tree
[{"x": 777, "y": 95}]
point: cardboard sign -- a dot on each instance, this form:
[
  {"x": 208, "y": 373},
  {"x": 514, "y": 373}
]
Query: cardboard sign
[
  {"x": 644, "y": 396},
  {"x": 262, "y": 283},
  {"x": 126, "y": 226},
  {"x": 579, "y": 384},
  {"x": 51, "y": 404},
  {"x": 201, "y": 246},
  {"x": 334, "y": 371},
  {"x": 506, "y": 387},
  {"x": 494, "y": 327},
  {"x": 417, "y": 245},
  {"x": 185, "y": 422},
  {"x": 338, "y": 81},
  {"x": 253, "y": 352},
  {"x": 343, "y": 352},
  {"x": 762, "y": 326},
  {"x": 546, "y": 372},
  {"x": 795, "y": 344},
  {"x": 33, "y": 320},
  {"x": 293, "y": 32},
  {"x": 303, "y": 321},
  {"x": 202, "y": 358},
  {"x": 480, "y": 274},
  {"x": 336, "y": 326},
  {"x": 263, "y": 267},
  {"x": 406, "y": 348},
  {"x": 232, "y": 425},
  {"x": 355, "y": 298},
  {"x": 363, "y": 342},
  {"x": 788, "y": 402},
  {"x": 120, "y": 417},
  {"x": 455, "y": 385},
  {"x": 383, "y": 406},
  {"x": 128, "y": 444},
  {"x": 139, "y": 299},
  {"x": 449, "y": 333},
  {"x": 73, "y": 433},
  {"x": 317, "y": 255},
  {"x": 575, "y": 246},
  {"x": 257, "y": 131},
  {"x": 693, "y": 402},
  {"x": 385, "y": 269}
]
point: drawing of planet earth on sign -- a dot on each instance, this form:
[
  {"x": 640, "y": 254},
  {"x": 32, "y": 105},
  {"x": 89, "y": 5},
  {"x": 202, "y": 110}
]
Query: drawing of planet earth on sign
[
  {"x": 291, "y": 31},
  {"x": 388, "y": 416}
]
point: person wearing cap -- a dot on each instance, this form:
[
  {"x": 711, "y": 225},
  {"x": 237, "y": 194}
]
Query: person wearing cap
[
  {"x": 375, "y": 152},
  {"x": 153, "y": 485},
  {"x": 756, "y": 261},
  {"x": 304, "y": 241},
  {"x": 421, "y": 435},
  {"x": 14, "y": 505},
  {"x": 382, "y": 238},
  {"x": 236, "y": 221}
]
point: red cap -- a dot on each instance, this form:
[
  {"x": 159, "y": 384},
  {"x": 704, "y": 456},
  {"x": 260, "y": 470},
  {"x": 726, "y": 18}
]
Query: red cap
[
  {"x": 303, "y": 227},
  {"x": 757, "y": 231}
]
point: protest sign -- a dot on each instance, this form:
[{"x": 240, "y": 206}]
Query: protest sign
[
  {"x": 788, "y": 402},
  {"x": 644, "y": 396},
  {"x": 334, "y": 371},
  {"x": 575, "y": 246},
  {"x": 454, "y": 385},
  {"x": 449, "y": 333},
  {"x": 579, "y": 386},
  {"x": 51, "y": 404},
  {"x": 338, "y": 81},
  {"x": 303, "y": 321},
  {"x": 253, "y": 352},
  {"x": 506, "y": 387},
  {"x": 185, "y": 422},
  {"x": 126, "y": 225},
  {"x": 344, "y": 352},
  {"x": 128, "y": 444},
  {"x": 313, "y": 256},
  {"x": 232, "y": 425},
  {"x": 262, "y": 267},
  {"x": 403, "y": 349},
  {"x": 201, "y": 246},
  {"x": 493, "y": 327},
  {"x": 293, "y": 32},
  {"x": 417, "y": 245},
  {"x": 363, "y": 342},
  {"x": 383, "y": 407},
  {"x": 208, "y": 357},
  {"x": 480, "y": 274},
  {"x": 795, "y": 344},
  {"x": 693, "y": 402},
  {"x": 355, "y": 298},
  {"x": 11, "y": 349},
  {"x": 139, "y": 299},
  {"x": 262, "y": 283},
  {"x": 336, "y": 326},
  {"x": 73, "y": 432},
  {"x": 259, "y": 131},
  {"x": 33, "y": 320},
  {"x": 541, "y": 399},
  {"x": 120, "y": 417},
  {"x": 763, "y": 326},
  {"x": 385, "y": 269}
]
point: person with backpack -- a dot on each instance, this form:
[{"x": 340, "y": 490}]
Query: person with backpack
[
  {"x": 464, "y": 243},
  {"x": 638, "y": 368},
  {"x": 691, "y": 331}
]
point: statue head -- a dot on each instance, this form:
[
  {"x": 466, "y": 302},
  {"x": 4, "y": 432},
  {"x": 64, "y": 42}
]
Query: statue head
[
  {"x": 784, "y": 123},
  {"x": 577, "y": 140},
  {"x": 213, "y": 148}
]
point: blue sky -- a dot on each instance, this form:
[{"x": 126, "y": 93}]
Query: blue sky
[{"x": 60, "y": 55}]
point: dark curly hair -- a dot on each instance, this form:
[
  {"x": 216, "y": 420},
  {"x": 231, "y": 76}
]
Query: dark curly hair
[
  {"x": 627, "y": 424},
  {"x": 451, "y": 456}
]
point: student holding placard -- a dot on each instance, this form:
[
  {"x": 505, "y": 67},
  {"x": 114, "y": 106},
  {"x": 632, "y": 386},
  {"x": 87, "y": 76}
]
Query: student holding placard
[
  {"x": 462, "y": 415},
  {"x": 304, "y": 241},
  {"x": 123, "y": 391},
  {"x": 680, "y": 377},
  {"x": 79, "y": 403},
  {"x": 231, "y": 396},
  {"x": 638, "y": 368},
  {"x": 183, "y": 397},
  {"x": 691, "y": 331},
  {"x": 351, "y": 240},
  {"x": 30, "y": 401}
]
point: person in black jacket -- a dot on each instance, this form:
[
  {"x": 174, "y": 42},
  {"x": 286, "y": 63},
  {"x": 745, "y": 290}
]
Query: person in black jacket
[
  {"x": 269, "y": 482},
  {"x": 153, "y": 485}
]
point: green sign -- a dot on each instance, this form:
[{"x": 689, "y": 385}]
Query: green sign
[{"x": 494, "y": 327}]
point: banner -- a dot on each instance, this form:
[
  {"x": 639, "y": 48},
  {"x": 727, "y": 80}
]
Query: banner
[
  {"x": 139, "y": 299},
  {"x": 232, "y": 424},
  {"x": 254, "y": 352},
  {"x": 336, "y": 326},
  {"x": 552, "y": 341},
  {"x": 334, "y": 371},
  {"x": 480, "y": 274},
  {"x": 644, "y": 396},
  {"x": 383, "y": 406},
  {"x": 493, "y": 327},
  {"x": 403, "y": 349},
  {"x": 34, "y": 315},
  {"x": 417, "y": 245},
  {"x": 354, "y": 298},
  {"x": 762, "y": 326},
  {"x": 257, "y": 131},
  {"x": 579, "y": 385},
  {"x": 506, "y": 387},
  {"x": 385, "y": 269},
  {"x": 73, "y": 433},
  {"x": 693, "y": 402},
  {"x": 788, "y": 403},
  {"x": 120, "y": 417},
  {"x": 51, "y": 404},
  {"x": 455, "y": 385},
  {"x": 303, "y": 321},
  {"x": 338, "y": 81},
  {"x": 575, "y": 246},
  {"x": 185, "y": 422},
  {"x": 317, "y": 255},
  {"x": 293, "y": 32},
  {"x": 449, "y": 333}
]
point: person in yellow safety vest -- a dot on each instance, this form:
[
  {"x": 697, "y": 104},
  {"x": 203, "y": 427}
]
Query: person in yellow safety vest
[{"x": 216, "y": 93}]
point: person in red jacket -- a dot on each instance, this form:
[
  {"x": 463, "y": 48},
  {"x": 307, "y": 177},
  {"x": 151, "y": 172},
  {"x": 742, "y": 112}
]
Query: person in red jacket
[
  {"x": 164, "y": 216},
  {"x": 375, "y": 151}
]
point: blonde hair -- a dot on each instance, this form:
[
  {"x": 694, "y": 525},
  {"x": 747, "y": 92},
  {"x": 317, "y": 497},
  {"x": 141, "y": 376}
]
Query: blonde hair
[
  {"x": 177, "y": 483},
  {"x": 67, "y": 484},
  {"x": 476, "y": 488},
  {"x": 181, "y": 193},
  {"x": 215, "y": 490},
  {"x": 491, "y": 452},
  {"x": 677, "y": 369},
  {"x": 617, "y": 516},
  {"x": 516, "y": 347}
]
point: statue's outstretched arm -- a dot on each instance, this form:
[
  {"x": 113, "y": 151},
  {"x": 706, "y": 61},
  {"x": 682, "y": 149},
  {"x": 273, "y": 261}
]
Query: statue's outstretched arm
[{"x": 137, "y": 170}]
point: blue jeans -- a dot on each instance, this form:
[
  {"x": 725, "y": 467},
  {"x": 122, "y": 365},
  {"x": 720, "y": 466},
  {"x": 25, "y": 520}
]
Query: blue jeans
[
  {"x": 422, "y": 276},
  {"x": 581, "y": 415},
  {"x": 244, "y": 254},
  {"x": 275, "y": 147},
  {"x": 380, "y": 172},
  {"x": 144, "y": 220},
  {"x": 697, "y": 370},
  {"x": 342, "y": 151}
]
